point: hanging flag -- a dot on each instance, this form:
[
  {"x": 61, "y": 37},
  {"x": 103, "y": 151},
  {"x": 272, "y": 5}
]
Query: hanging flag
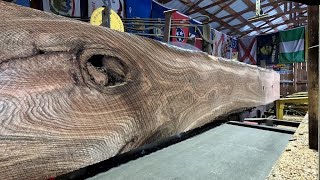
[
  {"x": 62, "y": 7},
  {"x": 226, "y": 47},
  {"x": 292, "y": 45},
  {"x": 234, "y": 49},
  {"x": 268, "y": 48},
  {"x": 181, "y": 32},
  {"x": 195, "y": 33},
  {"x": 157, "y": 12},
  {"x": 22, "y": 2},
  {"x": 116, "y": 5},
  {"x": 140, "y": 11},
  {"x": 219, "y": 44},
  {"x": 248, "y": 50}
]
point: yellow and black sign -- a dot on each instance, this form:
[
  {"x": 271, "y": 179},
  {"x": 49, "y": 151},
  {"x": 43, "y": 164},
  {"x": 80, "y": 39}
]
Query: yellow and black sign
[{"x": 115, "y": 20}]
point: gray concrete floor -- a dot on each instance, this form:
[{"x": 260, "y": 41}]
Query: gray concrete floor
[{"x": 227, "y": 152}]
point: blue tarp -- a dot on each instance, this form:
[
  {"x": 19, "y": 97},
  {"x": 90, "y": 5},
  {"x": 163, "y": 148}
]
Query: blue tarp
[
  {"x": 138, "y": 9},
  {"x": 23, "y": 2},
  {"x": 158, "y": 12},
  {"x": 192, "y": 31}
]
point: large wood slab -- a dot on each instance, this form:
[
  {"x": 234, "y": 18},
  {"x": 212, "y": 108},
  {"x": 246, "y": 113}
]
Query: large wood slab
[{"x": 72, "y": 94}]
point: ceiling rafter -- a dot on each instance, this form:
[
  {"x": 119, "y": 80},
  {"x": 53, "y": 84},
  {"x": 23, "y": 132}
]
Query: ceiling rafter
[
  {"x": 249, "y": 3},
  {"x": 271, "y": 19},
  {"x": 193, "y": 6},
  {"x": 164, "y": 1},
  {"x": 249, "y": 9},
  {"x": 239, "y": 17},
  {"x": 203, "y": 9},
  {"x": 290, "y": 21},
  {"x": 222, "y": 8},
  {"x": 221, "y": 21},
  {"x": 281, "y": 12},
  {"x": 220, "y": 28},
  {"x": 276, "y": 15},
  {"x": 188, "y": 3}
]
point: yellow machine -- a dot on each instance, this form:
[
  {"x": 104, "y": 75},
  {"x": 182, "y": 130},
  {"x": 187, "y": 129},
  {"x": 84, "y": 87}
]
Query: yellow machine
[{"x": 292, "y": 100}]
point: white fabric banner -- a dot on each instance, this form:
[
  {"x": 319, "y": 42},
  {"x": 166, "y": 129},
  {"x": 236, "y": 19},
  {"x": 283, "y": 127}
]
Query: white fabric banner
[
  {"x": 248, "y": 50},
  {"x": 219, "y": 44}
]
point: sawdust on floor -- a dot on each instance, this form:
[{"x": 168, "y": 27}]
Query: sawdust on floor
[
  {"x": 293, "y": 118},
  {"x": 297, "y": 162}
]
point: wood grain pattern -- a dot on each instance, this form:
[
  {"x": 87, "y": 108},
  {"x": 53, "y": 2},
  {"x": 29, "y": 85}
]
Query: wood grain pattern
[{"x": 72, "y": 94}]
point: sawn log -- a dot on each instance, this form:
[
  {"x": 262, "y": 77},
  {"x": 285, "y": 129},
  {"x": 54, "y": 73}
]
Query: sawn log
[{"x": 72, "y": 95}]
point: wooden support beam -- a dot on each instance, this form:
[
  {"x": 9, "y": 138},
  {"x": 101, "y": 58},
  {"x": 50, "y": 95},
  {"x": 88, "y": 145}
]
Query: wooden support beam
[
  {"x": 202, "y": 9},
  {"x": 273, "y": 17},
  {"x": 250, "y": 8},
  {"x": 233, "y": 29},
  {"x": 234, "y": 17},
  {"x": 167, "y": 26},
  {"x": 302, "y": 20},
  {"x": 318, "y": 102},
  {"x": 222, "y": 8},
  {"x": 278, "y": 15},
  {"x": 195, "y": 4},
  {"x": 164, "y": 1},
  {"x": 269, "y": 28},
  {"x": 313, "y": 74},
  {"x": 231, "y": 11},
  {"x": 245, "y": 21},
  {"x": 36, "y": 4},
  {"x": 290, "y": 23},
  {"x": 309, "y": 2},
  {"x": 221, "y": 21}
]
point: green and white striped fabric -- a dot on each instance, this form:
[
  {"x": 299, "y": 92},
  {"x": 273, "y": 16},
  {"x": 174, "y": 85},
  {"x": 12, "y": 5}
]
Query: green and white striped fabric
[{"x": 292, "y": 46}]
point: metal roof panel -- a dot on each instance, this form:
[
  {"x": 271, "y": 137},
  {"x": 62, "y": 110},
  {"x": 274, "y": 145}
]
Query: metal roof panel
[{"x": 237, "y": 6}]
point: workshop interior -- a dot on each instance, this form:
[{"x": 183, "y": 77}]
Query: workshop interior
[{"x": 159, "y": 89}]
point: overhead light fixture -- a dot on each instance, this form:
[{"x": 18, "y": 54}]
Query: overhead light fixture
[{"x": 259, "y": 12}]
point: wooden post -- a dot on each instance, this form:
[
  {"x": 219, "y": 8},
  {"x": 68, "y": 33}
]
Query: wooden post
[
  {"x": 313, "y": 74},
  {"x": 84, "y": 8},
  {"x": 167, "y": 27},
  {"x": 36, "y": 4},
  {"x": 207, "y": 35},
  {"x": 319, "y": 102}
]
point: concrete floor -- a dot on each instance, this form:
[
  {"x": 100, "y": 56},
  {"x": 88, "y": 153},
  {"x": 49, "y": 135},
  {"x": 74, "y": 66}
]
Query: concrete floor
[{"x": 227, "y": 152}]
